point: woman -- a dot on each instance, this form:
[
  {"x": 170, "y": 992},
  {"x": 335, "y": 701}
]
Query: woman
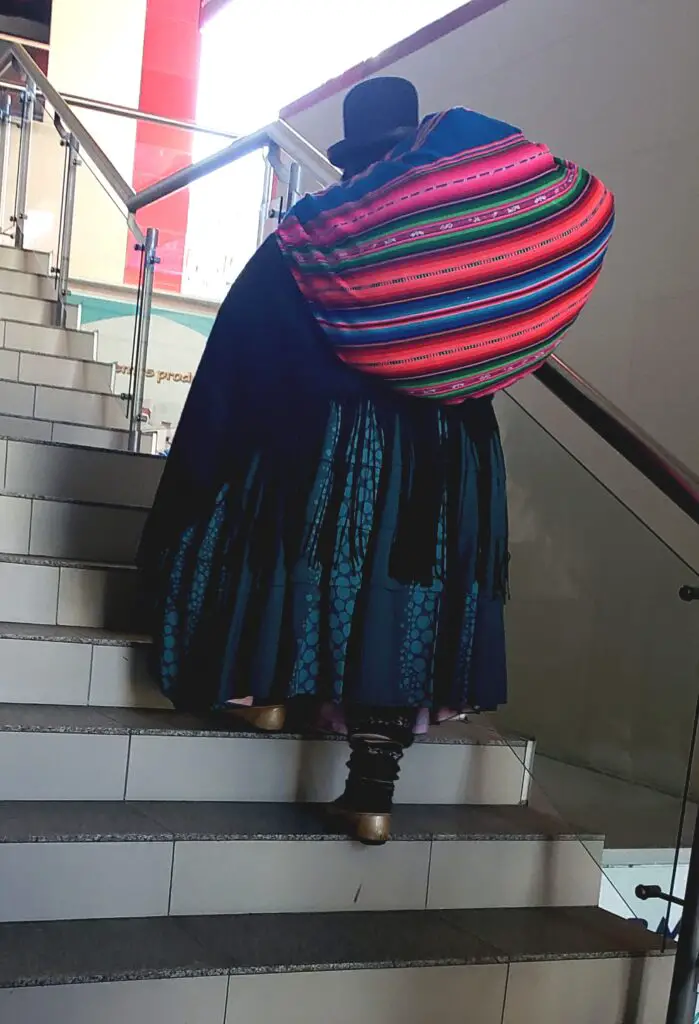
[{"x": 331, "y": 524}]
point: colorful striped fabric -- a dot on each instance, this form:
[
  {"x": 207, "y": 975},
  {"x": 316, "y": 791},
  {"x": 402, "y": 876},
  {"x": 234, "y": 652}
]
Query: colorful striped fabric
[{"x": 453, "y": 267}]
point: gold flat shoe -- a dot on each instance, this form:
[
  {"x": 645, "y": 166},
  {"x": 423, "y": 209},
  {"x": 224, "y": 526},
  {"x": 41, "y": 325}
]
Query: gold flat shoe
[
  {"x": 271, "y": 718},
  {"x": 366, "y": 828}
]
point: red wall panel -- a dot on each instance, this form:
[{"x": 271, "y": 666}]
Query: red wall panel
[{"x": 169, "y": 80}]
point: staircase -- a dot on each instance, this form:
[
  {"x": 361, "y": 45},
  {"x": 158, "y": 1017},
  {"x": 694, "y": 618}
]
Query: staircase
[{"x": 167, "y": 869}]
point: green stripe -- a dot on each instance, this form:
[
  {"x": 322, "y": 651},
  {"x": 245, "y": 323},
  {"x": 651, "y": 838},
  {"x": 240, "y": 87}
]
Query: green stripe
[
  {"x": 466, "y": 206},
  {"x": 447, "y": 240}
]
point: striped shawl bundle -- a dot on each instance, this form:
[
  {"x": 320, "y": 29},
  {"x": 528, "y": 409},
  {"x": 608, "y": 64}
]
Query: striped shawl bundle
[{"x": 453, "y": 267}]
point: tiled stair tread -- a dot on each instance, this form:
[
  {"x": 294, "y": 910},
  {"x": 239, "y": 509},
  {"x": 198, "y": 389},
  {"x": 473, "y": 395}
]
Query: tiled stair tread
[
  {"x": 62, "y": 387},
  {"x": 67, "y": 423},
  {"x": 70, "y": 634},
  {"x": 81, "y": 447},
  {"x": 63, "y": 563},
  {"x": 133, "y": 721},
  {"x": 49, "y": 327},
  {"x": 94, "y": 821},
  {"x": 74, "y": 952},
  {"x": 72, "y": 501}
]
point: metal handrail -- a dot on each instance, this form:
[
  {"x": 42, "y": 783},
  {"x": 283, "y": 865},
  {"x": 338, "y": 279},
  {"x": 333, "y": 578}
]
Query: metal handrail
[
  {"x": 656, "y": 464},
  {"x": 279, "y": 133},
  {"x": 19, "y": 56},
  {"x": 130, "y": 113}
]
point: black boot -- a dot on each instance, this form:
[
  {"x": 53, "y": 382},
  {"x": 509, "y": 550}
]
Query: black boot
[{"x": 378, "y": 740}]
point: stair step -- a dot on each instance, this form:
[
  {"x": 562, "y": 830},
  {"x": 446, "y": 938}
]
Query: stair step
[
  {"x": 63, "y": 471},
  {"x": 69, "y": 529},
  {"x": 49, "y": 341},
  {"x": 26, "y": 261},
  {"x": 57, "y": 371},
  {"x": 35, "y": 311},
  {"x": 62, "y": 404},
  {"x": 29, "y": 283},
  {"x": 92, "y": 860},
  {"x": 411, "y": 967},
  {"x": 61, "y": 591},
  {"x": 81, "y": 753},
  {"x": 25, "y": 428}
]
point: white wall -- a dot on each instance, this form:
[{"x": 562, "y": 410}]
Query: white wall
[
  {"x": 612, "y": 84},
  {"x": 96, "y": 51}
]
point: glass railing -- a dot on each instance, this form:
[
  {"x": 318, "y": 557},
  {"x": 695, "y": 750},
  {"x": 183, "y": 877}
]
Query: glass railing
[{"x": 200, "y": 200}]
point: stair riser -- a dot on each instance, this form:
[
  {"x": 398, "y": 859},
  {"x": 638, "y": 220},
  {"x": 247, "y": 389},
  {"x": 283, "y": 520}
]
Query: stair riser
[
  {"x": 14, "y": 282},
  {"x": 76, "y": 475},
  {"x": 71, "y": 766},
  {"x": 53, "y": 372},
  {"x": 50, "y": 341},
  {"x": 550, "y": 991},
  {"x": 24, "y": 260},
  {"x": 30, "y": 429},
  {"x": 67, "y": 530},
  {"x": 100, "y": 675},
  {"x": 78, "y": 880},
  {"x": 62, "y": 405},
  {"x": 35, "y": 311},
  {"x": 49, "y": 595}
]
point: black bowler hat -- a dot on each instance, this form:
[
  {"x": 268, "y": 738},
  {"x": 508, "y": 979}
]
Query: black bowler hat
[{"x": 378, "y": 112}]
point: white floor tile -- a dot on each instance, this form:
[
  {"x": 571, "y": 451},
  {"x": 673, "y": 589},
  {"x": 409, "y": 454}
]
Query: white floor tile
[
  {"x": 193, "y": 768},
  {"x": 16, "y": 399},
  {"x": 460, "y": 774},
  {"x": 80, "y": 475},
  {"x": 3, "y": 460},
  {"x": 284, "y": 877},
  {"x": 596, "y": 991},
  {"x": 71, "y": 881},
  {"x": 80, "y": 407},
  {"x": 103, "y": 598},
  {"x": 94, "y": 437},
  {"x": 15, "y": 518},
  {"x": 27, "y": 260},
  {"x": 44, "y": 672},
  {"x": 28, "y": 593},
  {"x": 49, "y": 340},
  {"x": 170, "y": 1001},
  {"x": 508, "y": 873},
  {"x": 26, "y": 429},
  {"x": 448, "y": 995},
  {"x": 62, "y": 766},
  {"x": 9, "y": 364},
  {"x": 21, "y": 282},
  {"x": 64, "y": 373},
  {"x": 120, "y": 678},
  {"x": 91, "y": 532}
]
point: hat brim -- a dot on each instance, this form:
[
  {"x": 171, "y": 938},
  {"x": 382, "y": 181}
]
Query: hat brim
[{"x": 347, "y": 151}]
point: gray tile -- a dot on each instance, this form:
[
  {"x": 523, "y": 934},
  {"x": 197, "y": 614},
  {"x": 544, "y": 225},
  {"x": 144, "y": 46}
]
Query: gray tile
[
  {"x": 68, "y": 881},
  {"x": 171, "y": 1001},
  {"x": 65, "y": 952},
  {"x": 287, "y": 876},
  {"x": 450, "y": 995},
  {"x": 82, "y": 821},
  {"x": 238, "y": 821},
  {"x": 37, "y": 671},
  {"x": 62, "y": 766}
]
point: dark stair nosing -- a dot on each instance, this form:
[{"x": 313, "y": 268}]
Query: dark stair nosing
[
  {"x": 163, "y": 821},
  {"x": 144, "y": 722},
  {"x": 74, "y": 952}
]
